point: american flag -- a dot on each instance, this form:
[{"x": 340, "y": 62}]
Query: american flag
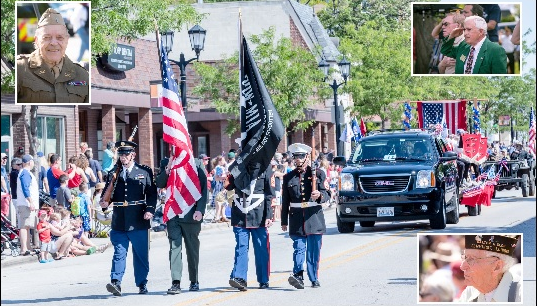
[
  {"x": 183, "y": 188},
  {"x": 531, "y": 133},
  {"x": 363, "y": 128},
  {"x": 431, "y": 113}
]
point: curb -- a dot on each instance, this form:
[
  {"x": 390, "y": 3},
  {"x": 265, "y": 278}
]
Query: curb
[{"x": 8, "y": 260}]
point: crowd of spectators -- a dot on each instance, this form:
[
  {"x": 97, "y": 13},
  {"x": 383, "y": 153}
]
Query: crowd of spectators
[{"x": 52, "y": 207}]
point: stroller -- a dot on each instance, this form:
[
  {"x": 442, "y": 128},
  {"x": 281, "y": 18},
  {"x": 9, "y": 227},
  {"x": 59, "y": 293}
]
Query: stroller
[
  {"x": 10, "y": 237},
  {"x": 44, "y": 199}
]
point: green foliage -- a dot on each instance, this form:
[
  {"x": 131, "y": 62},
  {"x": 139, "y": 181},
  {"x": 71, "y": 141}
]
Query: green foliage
[
  {"x": 112, "y": 20},
  {"x": 8, "y": 43},
  {"x": 289, "y": 72}
]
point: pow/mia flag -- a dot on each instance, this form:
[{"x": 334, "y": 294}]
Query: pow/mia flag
[{"x": 261, "y": 125}]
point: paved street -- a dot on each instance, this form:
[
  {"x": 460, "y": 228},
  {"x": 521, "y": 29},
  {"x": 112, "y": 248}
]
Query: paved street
[{"x": 370, "y": 266}]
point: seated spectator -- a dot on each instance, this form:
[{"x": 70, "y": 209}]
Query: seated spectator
[{"x": 62, "y": 236}]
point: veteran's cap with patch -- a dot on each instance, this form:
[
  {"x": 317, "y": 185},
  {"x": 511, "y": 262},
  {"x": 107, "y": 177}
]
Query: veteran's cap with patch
[
  {"x": 502, "y": 244},
  {"x": 299, "y": 148},
  {"x": 50, "y": 17},
  {"x": 125, "y": 146}
]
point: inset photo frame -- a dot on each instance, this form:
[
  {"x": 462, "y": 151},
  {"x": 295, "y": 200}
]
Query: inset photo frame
[
  {"x": 466, "y": 39},
  {"x": 53, "y": 53},
  {"x": 470, "y": 267}
]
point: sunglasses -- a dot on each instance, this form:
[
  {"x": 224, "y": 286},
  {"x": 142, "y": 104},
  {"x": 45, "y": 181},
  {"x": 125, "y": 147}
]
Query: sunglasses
[
  {"x": 124, "y": 153},
  {"x": 299, "y": 156}
]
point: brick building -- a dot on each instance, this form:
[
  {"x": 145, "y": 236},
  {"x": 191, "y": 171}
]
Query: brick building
[{"x": 121, "y": 100}]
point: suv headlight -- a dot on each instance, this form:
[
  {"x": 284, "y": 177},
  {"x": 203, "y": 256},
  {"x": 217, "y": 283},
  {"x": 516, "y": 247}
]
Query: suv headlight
[
  {"x": 425, "y": 179},
  {"x": 346, "y": 182}
]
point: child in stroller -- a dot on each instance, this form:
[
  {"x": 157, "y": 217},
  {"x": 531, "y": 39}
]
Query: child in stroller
[{"x": 10, "y": 237}]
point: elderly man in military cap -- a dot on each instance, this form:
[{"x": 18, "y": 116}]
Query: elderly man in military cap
[
  {"x": 134, "y": 196},
  {"x": 303, "y": 213},
  {"x": 47, "y": 75},
  {"x": 488, "y": 269}
]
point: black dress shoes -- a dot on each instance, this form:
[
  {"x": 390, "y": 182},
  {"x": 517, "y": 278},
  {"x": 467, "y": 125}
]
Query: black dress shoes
[
  {"x": 238, "y": 283},
  {"x": 143, "y": 289},
  {"x": 175, "y": 288},
  {"x": 114, "y": 288},
  {"x": 296, "y": 280},
  {"x": 315, "y": 284},
  {"x": 263, "y": 285},
  {"x": 194, "y": 287}
]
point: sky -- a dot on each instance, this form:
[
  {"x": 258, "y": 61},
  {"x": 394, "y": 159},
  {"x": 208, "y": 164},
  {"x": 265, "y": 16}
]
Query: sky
[{"x": 527, "y": 21}]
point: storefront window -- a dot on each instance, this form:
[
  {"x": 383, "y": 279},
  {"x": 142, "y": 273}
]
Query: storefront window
[
  {"x": 50, "y": 135},
  {"x": 6, "y": 137}
]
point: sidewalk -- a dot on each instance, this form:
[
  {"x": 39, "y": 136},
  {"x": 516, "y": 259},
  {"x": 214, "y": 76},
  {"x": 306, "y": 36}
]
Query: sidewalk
[{"x": 8, "y": 260}]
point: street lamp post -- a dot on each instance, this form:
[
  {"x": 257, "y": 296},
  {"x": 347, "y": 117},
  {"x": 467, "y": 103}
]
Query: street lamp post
[
  {"x": 197, "y": 41},
  {"x": 344, "y": 68}
]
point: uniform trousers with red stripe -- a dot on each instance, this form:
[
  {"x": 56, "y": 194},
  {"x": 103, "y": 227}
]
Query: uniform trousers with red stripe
[
  {"x": 308, "y": 248},
  {"x": 261, "y": 243}
]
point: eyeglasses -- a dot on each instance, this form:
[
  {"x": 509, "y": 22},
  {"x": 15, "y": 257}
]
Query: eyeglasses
[
  {"x": 124, "y": 153},
  {"x": 299, "y": 156},
  {"x": 18, "y": 164},
  {"x": 445, "y": 24},
  {"x": 473, "y": 260}
]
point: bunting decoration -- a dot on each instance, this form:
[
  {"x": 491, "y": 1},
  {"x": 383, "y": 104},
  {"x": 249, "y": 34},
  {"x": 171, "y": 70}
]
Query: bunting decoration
[
  {"x": 477, "y": 121},
  {"x": 407, "y": 116}
]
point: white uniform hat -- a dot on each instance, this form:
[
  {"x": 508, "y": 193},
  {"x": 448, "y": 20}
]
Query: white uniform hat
[{"x": 298, "y": 148}]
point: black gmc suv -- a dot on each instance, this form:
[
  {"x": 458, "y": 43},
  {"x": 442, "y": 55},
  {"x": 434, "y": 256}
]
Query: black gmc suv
[{"x": 398, "y": 176}]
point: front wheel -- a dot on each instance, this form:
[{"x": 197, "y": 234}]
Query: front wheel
[
  {"x": 344, "y": 227},
  {"x": 472, "y": 210},
  {"x": 439, "y": 220},
  {"x": 524, "y": 184}
]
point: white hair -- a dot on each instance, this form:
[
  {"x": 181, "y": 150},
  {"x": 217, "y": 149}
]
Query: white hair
[
  {"x": 480, "y": 23},
  {"x": 508, "y": 261}
]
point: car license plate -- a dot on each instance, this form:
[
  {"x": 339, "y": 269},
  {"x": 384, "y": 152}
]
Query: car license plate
[{"x": 385, "y": 212}]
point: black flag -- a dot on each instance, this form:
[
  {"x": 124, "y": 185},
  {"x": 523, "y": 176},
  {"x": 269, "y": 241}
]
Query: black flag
[{"x": 261, "y": 125}]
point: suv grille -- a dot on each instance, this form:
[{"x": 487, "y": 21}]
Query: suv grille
[{"x": 381, "y": 184}]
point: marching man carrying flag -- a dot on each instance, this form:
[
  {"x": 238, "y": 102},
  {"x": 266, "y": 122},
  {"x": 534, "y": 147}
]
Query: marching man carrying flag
[
  {"x": 251, "y": 212},
  {"x": 186, "y": 189}
]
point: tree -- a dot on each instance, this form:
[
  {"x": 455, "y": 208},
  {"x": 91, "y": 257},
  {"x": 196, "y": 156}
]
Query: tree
[
  {"x": 112, "y": 20},
  {"x": 289, "y": 72}
]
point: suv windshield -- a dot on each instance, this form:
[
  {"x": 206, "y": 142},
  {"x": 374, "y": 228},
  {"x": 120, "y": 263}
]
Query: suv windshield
[{"x": 391, "y": 149}]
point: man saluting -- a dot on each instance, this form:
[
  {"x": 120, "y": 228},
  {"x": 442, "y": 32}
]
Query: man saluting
[{"x": 303, "y": 212}]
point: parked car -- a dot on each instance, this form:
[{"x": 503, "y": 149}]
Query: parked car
[{"x": 398, "y": 176}]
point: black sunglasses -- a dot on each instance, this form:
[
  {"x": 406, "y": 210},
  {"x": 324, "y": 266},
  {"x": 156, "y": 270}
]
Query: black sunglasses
[{"x": 300, "y": 156}]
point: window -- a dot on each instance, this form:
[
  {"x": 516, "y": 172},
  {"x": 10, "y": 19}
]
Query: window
[{"x": 51, "y": 136}]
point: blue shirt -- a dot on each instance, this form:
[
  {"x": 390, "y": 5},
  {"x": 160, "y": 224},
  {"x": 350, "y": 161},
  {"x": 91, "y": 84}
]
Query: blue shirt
[{"x": 108, "y": 160}]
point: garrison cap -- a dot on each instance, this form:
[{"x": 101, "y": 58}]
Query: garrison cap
[
  {"x": 299, "y": 148},
  {"x": 125, "y": 146},
  {"x": 502, "y": 244},
  {"x": 50, "y": 17}
]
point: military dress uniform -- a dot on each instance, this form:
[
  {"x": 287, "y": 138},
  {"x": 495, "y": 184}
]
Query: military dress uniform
[
  {"x": 305, "y": 218},
  {"x": 248, "y": 217},
  {"x": 133, "y": 195},
  {"x": 37, "y": 82},
  {"x": 187, "y": 228}
]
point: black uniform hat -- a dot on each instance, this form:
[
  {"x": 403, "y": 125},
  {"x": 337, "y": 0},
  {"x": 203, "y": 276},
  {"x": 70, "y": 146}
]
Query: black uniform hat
[
  {"x": 502, "y": 244},
  {"x": 125, "y": 146}
]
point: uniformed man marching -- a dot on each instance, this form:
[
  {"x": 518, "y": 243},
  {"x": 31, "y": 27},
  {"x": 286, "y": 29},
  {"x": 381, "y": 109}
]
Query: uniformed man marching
[
  {"x": 252, "y": 216},
  {"x": 303, "y": 212},
  {"x": 134, "y": 196},
  {"x": 47, "y": 75}
]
